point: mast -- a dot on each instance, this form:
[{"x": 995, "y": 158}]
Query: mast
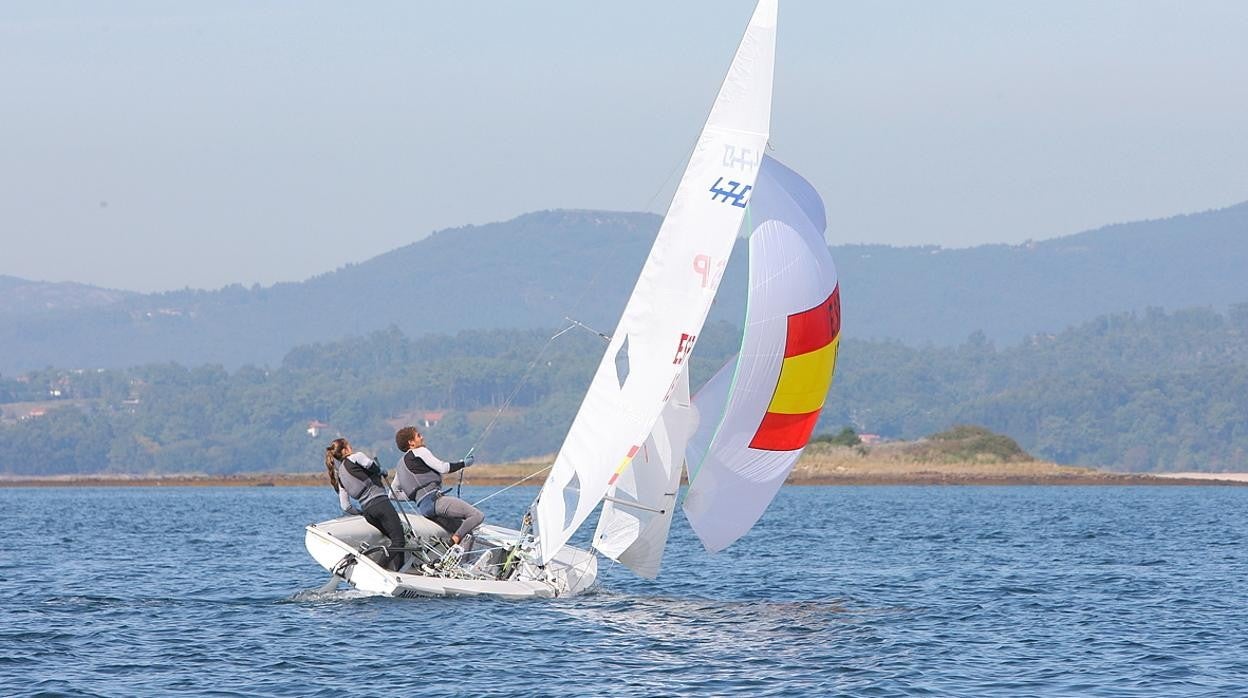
[{"x": 664, "y": 316}]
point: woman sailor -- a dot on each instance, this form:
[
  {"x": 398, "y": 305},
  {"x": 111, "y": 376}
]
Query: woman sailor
[
  {"x": 419, "y": 476},
  {"x": 359, "y": 478}
]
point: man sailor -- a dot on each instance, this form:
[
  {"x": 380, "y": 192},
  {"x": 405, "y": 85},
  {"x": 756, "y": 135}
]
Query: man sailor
[{"x": 419, "y": 476}]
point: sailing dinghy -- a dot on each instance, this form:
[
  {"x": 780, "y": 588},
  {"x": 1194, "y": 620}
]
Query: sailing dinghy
[{"x": 638, "y": 427}]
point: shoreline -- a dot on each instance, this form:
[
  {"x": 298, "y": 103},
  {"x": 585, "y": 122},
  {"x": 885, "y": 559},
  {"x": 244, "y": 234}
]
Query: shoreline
[
  {"x": 970, "y": 456},
  {"x": 863, "y": 474}
]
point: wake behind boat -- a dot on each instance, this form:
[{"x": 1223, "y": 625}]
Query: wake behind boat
[{"x": 638, "y": 427}]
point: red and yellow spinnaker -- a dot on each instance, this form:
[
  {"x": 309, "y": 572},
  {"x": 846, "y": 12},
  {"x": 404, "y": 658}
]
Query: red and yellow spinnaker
[
  {"x": 805, "y": 376},
  {"x": 757, "y": 413}
]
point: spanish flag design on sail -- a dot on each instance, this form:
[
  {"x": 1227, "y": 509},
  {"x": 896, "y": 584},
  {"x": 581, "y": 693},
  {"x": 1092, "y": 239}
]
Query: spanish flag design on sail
[{"x": 810, "y": 347}]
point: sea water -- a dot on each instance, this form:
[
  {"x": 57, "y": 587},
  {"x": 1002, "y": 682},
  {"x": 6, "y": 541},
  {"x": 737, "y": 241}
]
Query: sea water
[{"x": 871, "y": 591}]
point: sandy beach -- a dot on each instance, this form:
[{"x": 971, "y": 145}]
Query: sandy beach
[{"x": 1220, "y": 477}]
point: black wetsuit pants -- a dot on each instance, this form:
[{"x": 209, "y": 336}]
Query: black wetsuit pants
[{"x": 381, "y": 514}]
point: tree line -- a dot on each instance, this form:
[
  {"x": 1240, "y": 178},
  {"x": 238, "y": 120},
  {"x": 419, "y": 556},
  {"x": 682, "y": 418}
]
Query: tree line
[{"x": 1142, "y": 391}]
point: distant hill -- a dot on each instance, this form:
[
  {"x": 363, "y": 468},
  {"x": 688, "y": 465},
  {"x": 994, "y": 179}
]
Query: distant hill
[
  {"x": 527, "y": 272},
  {"x": 22, "y": 297},
  {"x": 538, "y": 268},
  {"x": 1011, "y": 291}
]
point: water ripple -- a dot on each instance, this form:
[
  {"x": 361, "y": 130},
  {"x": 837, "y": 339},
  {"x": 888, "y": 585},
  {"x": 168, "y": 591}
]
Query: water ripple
[{"x": 864, "y": 591}]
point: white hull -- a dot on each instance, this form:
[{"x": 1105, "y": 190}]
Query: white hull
[{"x": 336, "y": 545}]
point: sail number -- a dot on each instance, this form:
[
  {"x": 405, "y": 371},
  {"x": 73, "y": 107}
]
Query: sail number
[
  {"x": 708, "y": 274},
  {"x": 747, "y": 159},
  {"x": 735, "y": 193},
  {"x": 684, "y": 347}
]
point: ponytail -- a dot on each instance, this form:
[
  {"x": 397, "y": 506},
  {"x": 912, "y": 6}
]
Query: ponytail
[{"x": 333, "y": 454}]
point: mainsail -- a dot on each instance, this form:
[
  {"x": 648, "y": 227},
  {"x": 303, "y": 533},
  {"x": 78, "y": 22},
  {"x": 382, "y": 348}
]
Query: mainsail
[
  {"x": 757, "y": 413},
  {"x": 664, "y": 316}
]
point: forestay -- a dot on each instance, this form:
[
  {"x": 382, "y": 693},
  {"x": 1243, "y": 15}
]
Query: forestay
[
  {"x": 757, "y": 413},
  {"x": 668, "y": 306}
]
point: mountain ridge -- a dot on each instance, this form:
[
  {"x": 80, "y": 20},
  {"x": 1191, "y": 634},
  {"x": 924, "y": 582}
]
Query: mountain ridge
[{"x": 541, "y": 267}]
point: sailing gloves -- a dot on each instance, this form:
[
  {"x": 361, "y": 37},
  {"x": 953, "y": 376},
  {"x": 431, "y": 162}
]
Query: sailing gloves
[{"x": 469, "y": 460}]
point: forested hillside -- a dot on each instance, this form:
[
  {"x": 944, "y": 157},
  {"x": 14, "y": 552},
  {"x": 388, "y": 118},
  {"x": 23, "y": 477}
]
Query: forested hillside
[
  {"x": 1141, "y": 392},
  {"x": 1146, "y": 391},
  {"x": 533, "y": 271}
]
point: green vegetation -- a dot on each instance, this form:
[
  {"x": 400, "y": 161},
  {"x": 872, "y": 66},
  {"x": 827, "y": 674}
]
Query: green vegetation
[
  {"x": 966, "y": 443},
  {"x": 1142, "y": 392},
  {"x": 846, "y": 437},
  {"x": 165, "y": 418}
]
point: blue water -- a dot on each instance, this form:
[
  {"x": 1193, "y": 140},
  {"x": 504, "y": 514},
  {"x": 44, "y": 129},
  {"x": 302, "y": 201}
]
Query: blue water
[{"x": 864, "y": 591}]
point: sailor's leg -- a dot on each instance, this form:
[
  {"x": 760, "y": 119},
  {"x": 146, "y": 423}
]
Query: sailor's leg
[
  {"x": 469, "y": 517},
  {"x": 370, "y": 515},
  {"x": 381, "y": 514},
  {"x": 448, "y": 524}
]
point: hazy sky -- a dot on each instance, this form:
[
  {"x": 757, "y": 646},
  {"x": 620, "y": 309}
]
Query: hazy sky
[{"x": 157, "y": 145}]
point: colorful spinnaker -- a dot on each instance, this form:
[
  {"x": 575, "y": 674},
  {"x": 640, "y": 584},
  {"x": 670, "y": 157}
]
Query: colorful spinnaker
[{"x": 757, "y": 413}]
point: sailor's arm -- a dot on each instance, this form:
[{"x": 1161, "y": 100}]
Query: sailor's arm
[{"x": 424, "y": 456}]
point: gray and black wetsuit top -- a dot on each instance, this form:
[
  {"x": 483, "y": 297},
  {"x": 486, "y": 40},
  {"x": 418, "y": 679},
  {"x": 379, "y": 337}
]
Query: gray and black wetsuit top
[
  {"x": 419, "y": 473},
  {"x": 360, "y": 478}
]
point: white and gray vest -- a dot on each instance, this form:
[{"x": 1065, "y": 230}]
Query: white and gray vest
[
  {"x": 419, "y": 473},
  {"x": 361, "y": 478}
]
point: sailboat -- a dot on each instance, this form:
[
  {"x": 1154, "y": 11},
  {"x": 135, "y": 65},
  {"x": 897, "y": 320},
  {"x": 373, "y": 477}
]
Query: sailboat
[{"x": 638, "y": 428}]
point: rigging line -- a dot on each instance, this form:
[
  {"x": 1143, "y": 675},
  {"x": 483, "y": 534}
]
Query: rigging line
[
  {"x": 519, "y": 384},
  {"x": 517, "y": 482},
  {"x": 678, "y": 163},
  {"x": 657, "y": 192},
  {"x": 666, "y": 180},
  {"x": 401, "y": 508},
  {"x": 577, "y": 323},
  {"x": 579, "y": 299}
]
